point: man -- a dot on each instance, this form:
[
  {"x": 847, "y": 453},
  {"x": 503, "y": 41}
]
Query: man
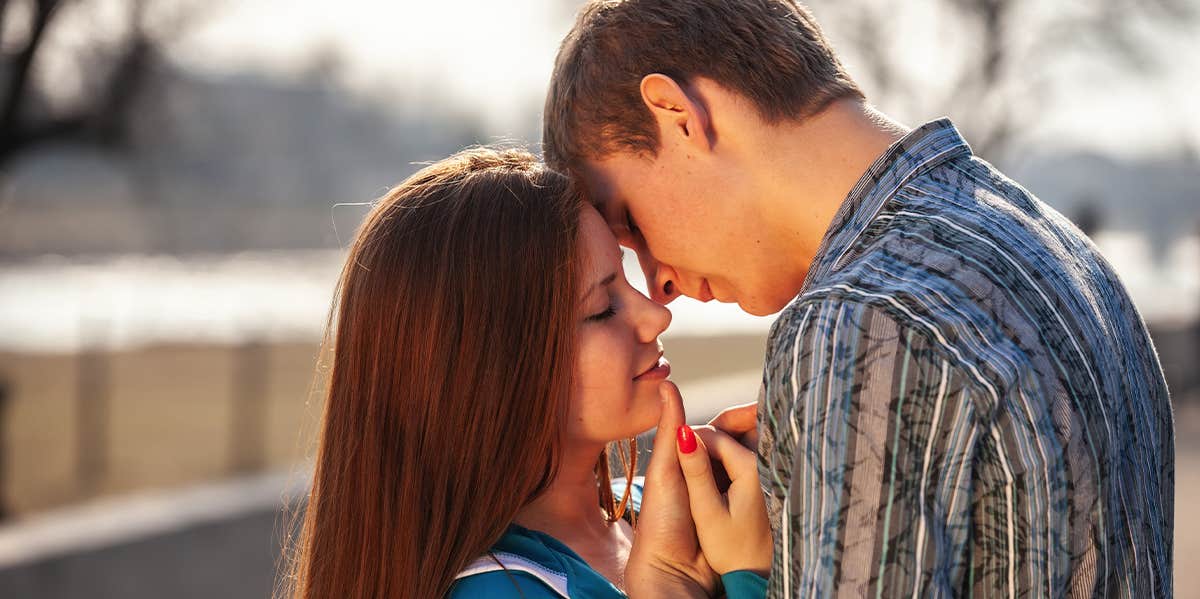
[{"x": 959, "y": 396}]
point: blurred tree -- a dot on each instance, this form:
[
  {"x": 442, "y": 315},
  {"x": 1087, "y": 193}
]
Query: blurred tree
[
  {"x": 995, "y": 61},
  {"x": 112, "y": 72}
]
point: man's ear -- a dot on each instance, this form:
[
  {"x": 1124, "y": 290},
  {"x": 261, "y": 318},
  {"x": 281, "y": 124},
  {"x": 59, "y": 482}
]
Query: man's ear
[{"x": 676, "y": 112}]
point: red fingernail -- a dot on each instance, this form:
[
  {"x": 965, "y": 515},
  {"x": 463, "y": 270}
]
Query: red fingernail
[{"x": 687, "y": 439}]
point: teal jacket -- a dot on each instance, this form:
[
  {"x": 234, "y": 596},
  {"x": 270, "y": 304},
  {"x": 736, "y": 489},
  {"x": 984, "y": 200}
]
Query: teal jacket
[{"x": 529, "y": 564}]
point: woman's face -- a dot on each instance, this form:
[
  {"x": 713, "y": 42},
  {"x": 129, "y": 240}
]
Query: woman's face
[{"x": 620, "y": 363}]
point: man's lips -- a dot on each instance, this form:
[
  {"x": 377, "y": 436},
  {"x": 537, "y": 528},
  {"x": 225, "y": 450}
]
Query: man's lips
[{"x": 661, "y": 369}]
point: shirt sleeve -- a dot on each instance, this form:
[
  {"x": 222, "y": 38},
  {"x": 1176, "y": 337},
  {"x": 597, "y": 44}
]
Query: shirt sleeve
[
  {"x": 744, "y": 584},
  {"x": 869, "y": 433}
]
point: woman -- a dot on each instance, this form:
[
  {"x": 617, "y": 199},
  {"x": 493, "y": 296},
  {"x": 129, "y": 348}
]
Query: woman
[{"x": 488, "y": 354}]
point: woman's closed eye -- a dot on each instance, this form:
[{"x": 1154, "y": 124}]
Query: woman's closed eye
[
  {"x": 602, "y": 287},
  {"x": 604, "y": 315}
]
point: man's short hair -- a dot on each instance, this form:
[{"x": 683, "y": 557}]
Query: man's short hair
[{"x": 770, "y": 51}]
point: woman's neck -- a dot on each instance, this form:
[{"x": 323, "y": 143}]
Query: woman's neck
[
  {"x": 569, "y": 507},
  {"x": 570, "y": 512}
]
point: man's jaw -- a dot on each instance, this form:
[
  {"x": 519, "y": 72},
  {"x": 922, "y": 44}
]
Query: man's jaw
[{"x": 701, "y": 293}]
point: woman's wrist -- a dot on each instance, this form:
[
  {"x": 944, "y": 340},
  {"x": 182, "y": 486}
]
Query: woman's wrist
[{"x": 761, "y": 572}]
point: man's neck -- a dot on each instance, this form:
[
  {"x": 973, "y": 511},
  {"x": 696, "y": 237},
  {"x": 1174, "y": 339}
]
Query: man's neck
[{"x": 812, "y": 166}]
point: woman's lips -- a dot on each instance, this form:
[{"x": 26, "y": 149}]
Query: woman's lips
[
  {"x": 706, "y": 293},
  {"x": 658, "y": 372}
]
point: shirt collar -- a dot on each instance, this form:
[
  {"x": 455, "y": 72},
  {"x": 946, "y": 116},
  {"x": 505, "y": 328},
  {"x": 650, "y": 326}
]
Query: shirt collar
[{"x": 914, "y": 154}]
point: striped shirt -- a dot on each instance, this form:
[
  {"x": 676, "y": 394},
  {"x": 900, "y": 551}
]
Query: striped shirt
[{"x": 963, "y": 400}]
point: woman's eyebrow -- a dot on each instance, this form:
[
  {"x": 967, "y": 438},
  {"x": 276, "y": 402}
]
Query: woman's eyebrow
[{"x": 601, "y": 283}]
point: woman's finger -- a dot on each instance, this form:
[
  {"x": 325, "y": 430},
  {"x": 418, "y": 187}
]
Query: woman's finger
[{"x": 706, "y": 500}]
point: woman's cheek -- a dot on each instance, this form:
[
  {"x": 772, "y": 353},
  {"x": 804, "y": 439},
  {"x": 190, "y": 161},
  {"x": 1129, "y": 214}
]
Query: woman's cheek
[
  {"x": 590, "y": 369},
  {"x": 608, "y": 359},
  {"x": 591, "y": 375}
]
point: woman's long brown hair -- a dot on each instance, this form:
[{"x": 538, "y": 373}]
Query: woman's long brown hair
[{"x": 452, "y": 358}]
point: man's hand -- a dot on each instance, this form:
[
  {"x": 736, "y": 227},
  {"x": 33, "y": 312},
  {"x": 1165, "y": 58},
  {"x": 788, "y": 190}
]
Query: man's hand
[
  {"x": 666, "y": 560},
  {"x": 739, "y": 422}
]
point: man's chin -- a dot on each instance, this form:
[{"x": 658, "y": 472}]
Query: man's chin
[{"x": 759, "y": 309}]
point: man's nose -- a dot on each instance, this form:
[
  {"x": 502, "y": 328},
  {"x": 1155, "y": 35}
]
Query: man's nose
[{"x": 661, "y": 280}]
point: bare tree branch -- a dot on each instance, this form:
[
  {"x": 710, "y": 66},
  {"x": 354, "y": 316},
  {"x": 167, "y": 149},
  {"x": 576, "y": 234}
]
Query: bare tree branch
[
  {"x": 106, "y": 112},
  {"x": 18, "y": 77},
  {"x": 1006, "y": 58}
]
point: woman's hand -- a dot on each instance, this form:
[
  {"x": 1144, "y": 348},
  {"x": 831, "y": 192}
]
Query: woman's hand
[
  {"x": 666, "y": 560},
  {"x": 732, "y": 526}
]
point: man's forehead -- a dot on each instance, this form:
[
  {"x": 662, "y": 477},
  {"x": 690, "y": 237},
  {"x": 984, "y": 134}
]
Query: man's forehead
[
  {"x": 604, "y": 179},
  {"x": 598, "y": 187}
]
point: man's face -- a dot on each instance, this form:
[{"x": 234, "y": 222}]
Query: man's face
[{"x": 695, "y": 228}]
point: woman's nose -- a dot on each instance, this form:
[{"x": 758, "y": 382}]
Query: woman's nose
[{"x": 653, "y": 319}]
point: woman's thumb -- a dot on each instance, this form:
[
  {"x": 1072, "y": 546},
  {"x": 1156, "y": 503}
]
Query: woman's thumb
[{"x": 662, "y": 455}]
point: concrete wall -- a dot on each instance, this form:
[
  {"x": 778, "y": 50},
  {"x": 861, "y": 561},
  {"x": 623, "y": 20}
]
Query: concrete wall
[
  {"x": 221, "y": 540},
  {"x": 171, "y": 415}
]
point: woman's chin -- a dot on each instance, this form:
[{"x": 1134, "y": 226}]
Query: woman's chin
[
  {"x": 649, "y": 413},
  {"x": 641, "y": 416}
]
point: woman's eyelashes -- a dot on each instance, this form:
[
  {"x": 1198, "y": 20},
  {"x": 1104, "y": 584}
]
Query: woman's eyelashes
[{"x": 608, "y": 313}]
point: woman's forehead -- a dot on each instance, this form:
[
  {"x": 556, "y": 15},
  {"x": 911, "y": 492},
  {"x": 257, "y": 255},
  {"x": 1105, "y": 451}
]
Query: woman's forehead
[{"x": 600, "y": 251}]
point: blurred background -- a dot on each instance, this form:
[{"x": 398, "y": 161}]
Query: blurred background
[{"x": 179, "y": 178}]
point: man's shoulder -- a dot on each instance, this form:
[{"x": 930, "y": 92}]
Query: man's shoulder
[
  {"x": 866, "y": 283},
  {"x": 849, "y": 305},
  {"x": 814, "y": 312},
  {"x": 940, "y": 251}
]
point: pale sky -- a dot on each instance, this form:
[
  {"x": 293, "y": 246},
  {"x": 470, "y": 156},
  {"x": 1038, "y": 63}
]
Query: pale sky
[{"x": 494, "y": 58}]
